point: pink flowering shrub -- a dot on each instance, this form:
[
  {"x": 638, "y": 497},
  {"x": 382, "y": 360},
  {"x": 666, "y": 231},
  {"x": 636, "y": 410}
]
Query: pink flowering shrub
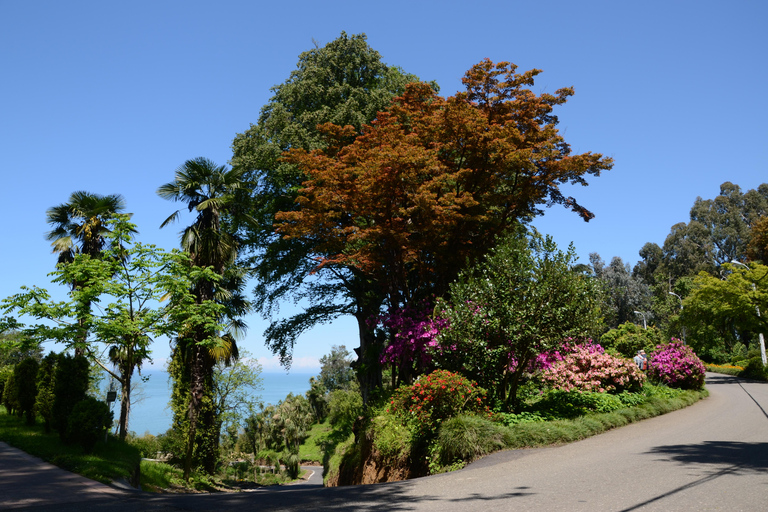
[
  {"x": 437, "y": 397},
  {"x": 677, "y": 366},
  {"x": 415, "y": 334},
  {"x": 545, "y": 360},
  {"x": 591, "y": 370}
]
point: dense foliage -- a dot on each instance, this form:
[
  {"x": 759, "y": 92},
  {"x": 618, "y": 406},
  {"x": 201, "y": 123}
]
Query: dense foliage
[{"x": 524, "y": 300}]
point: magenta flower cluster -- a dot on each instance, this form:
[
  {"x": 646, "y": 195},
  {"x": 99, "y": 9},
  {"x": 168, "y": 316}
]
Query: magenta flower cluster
[
  {"x": 677, "y": 366},
  {"x": 589, "y": 369},
  {"x": 415, "y": 334}
]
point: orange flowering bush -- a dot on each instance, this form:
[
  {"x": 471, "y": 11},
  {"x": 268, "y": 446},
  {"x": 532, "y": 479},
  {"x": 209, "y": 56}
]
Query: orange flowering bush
[{"x": 436, "y": 397}]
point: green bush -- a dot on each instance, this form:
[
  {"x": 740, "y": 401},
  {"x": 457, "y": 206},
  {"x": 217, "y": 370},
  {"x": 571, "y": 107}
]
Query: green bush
[
  {"x": 45, "y": 389},
  {"x": 390, "y": 437},
  {"x": 754, "y": 369},
  {"x": 557, "y": 404},
  {"x": 148, "y": 445},
  {"x": 173, "y": 445},
  {"x": 87, "y": 422},
  {"x": 508, "y": 419},
  {"x": 25, "y": 375},
  {"x": 628, "y": 338},
  {"x": 11, "y": 395},
  {"x": 344, "y": 407},
  {"x": 70, "y": 386}
]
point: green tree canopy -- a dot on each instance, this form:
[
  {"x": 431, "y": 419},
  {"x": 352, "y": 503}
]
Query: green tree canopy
[
  {"x": 343, "y": 82},
  {"x": 729, "y": 306}
]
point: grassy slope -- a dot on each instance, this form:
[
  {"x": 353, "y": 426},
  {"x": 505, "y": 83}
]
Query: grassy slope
[{"x": 109, "y": 461}]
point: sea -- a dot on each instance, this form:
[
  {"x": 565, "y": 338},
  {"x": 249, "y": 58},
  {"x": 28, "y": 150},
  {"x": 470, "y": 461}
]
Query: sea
[{"x": 150, "y": 412}]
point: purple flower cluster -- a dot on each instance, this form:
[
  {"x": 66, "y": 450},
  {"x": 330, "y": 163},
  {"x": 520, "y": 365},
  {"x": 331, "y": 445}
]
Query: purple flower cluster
[
  {"x": 415, "y": 334},
  {"x": 677, "y": 366}
]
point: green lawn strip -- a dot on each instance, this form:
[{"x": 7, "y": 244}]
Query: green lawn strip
[{"x": 108, "y": 462}]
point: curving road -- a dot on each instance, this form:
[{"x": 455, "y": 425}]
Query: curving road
[{"x": 710, "y": 456}]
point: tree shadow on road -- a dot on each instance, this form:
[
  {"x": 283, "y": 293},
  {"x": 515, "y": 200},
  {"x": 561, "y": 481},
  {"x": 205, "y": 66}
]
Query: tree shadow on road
[
  {"x": 744, "y": 457},
  {"x": 718, "y": 378}
]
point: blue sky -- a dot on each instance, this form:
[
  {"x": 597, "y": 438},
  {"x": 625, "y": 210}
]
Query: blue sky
[{"x": 112, "y": 97}]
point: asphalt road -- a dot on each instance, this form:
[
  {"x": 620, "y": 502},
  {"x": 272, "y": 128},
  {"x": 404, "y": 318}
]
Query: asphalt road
[{"x": 710, "y": 456}]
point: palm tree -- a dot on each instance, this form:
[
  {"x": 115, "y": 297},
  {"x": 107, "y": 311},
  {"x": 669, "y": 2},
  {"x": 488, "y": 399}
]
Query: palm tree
[
  {"x": 79, "y": 226},
  {"x": 209, "y": 190}
]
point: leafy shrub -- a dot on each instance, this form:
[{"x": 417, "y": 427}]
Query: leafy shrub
[
  {"x": 437, "y": 397},
  {"x": 628, "y": 338},
  {"x": 45, "y": 386},
  {"x": 631, "y": 399},
  {"x": 390, "y": 438},
  {"x": 87, "y": 422},
  {"x": 148, "y": 445},
  {"x": 558, "y": 404},
  {"x": 173, "y": 445},
  {"x": 586, "y": 370},
  {"x": 508, "y": 419},
  {"x": 11, "y": 395},
  {"x": 70, "y": 386},
  {"x": 677, "y": 366},
  {"x": 25, "y": 375},
  {"x": 754, "y": 369},
  {"x": 344, "y": 406}
]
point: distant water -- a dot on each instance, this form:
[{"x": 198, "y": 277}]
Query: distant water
[{"x": 152, "y": 414}]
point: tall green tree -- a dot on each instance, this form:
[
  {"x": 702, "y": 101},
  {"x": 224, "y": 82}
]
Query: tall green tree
[
  {"x": 343, "y": 82},
  {"x": 524, "y": 299},
  {"x": 209, "y": 191},
  {"x": 624, "y": 292},
  {"x": 733, "y": 306}
]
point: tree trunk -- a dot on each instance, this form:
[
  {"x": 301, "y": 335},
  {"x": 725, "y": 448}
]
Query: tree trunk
[
  {"x": 125, "y": 404},
  {"x": 368, "y": 364},
  {"x": 196, "y": 390}
]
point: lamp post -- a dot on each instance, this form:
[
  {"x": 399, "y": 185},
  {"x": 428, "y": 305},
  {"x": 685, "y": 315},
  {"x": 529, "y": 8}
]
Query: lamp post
[
  {"x": 681, "y": 310},
  {"x": 757, "y": 310},
  {"x": 645, "y": 325}
]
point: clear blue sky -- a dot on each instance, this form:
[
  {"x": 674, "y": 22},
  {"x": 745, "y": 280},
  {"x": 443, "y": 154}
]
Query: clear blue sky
[{"x": 111, "y": 97}]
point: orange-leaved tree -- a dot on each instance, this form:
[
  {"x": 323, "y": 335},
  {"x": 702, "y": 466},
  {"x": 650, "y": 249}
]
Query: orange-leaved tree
[{"x": 432, "y": 182}]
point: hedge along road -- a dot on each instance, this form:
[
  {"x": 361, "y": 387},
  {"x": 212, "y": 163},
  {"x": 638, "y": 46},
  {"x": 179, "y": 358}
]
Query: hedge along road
[{"x": 712, "y": 455}]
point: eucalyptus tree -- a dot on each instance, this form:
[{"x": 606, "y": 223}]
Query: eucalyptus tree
[{"x": 209, "y": 191}]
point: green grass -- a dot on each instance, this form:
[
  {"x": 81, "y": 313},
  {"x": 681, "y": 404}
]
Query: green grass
[
  {"x": 109, "y": 461},
  {"x": 312, "y": 449},
  {"x": 158, "y": 476}
]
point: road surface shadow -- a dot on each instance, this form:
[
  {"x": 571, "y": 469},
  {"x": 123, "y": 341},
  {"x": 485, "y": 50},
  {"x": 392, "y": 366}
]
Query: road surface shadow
[
  {"x": 391, "y": 497},
  {"x": 744, "y": 456},
  {"x": 719, "y": 378}
]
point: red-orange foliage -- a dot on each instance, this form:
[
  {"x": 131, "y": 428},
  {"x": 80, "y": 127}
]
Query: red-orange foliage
[{"x": 430, "y": 184}]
